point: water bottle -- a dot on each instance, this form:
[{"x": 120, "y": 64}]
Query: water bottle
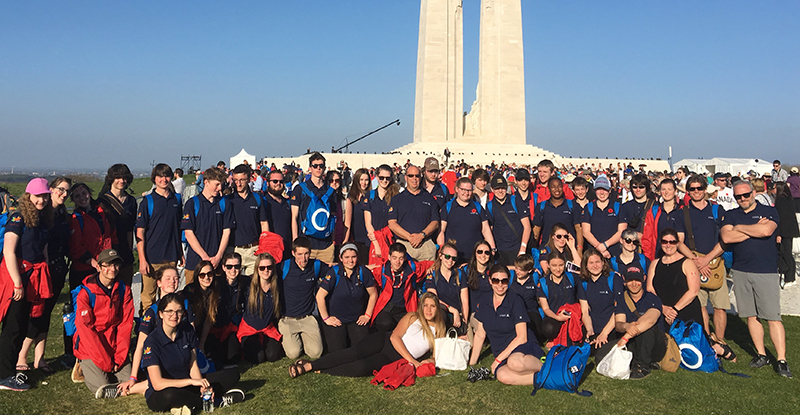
[{"x": 208, "y": 404}]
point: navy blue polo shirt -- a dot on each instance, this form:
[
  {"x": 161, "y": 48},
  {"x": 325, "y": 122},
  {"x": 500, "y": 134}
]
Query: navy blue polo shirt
[
  {"x": 248, "y": 214},
  {"x": 526, "y": 290},
  {"x": 704, "y": 227},
  {"x": 302, "y": 201},
  {"x": 207, "y": 225},
  {"x": 602, "y": 298},
  {"x": 500, "y": 324},
  {"x": 378, "y": 209},
  {"x": 632, "y": 209},
  {"x": 414, "y": 212},
  {"x": 648, "y": 301},
  {"x": 639, "y": 261},
  {"x": 604, "y": 222},
  {"x": 464, "y": 225},
  {"x": 174, "y": 357},
  {"x": 558, "y": 294},
  {"x": 347, "y": 299},
  {"x": 150, "y": 320},
  {"x": 550, "y": 215},
  {"x": 359, "y": 228},
  {"x": 162, "y": 229},
  {"x": 32, "y": 241},
  {"x": 399, "y": 280},
  {"x": 449, "y": 292},
  {"x": 507, "y": 238},
  {"x": 260, "y": 320},
  {"x": 441, "y": 194},
  {"x": 279, "y": 217},
  {"x": 484, "y": 287},
  {"x": 298, "y": 287},
  {"x": 757, "y": 255},
  {"x": 232, "y": 300}
]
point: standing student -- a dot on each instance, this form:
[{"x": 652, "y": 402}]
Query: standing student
[
  {"x": 24, "y": 277},
  {"x": 250, "y": 214},
  {"x": 510, "y": 222},
  {"x": 470, "y": 221},
  {"x": 376, "y": 207},
  {"x": 599, "y": 221},
  {"x": 158, "y": 232},
  {"x": 258, "y": 331},
  {"x": 279, "y": 212},
  {"x": 354, "y": 219},
  {"x": 315, "y": 225},
  {"x": 207, "y": 223},
  {"x": 91, "y": 234},
  {"x": 120, "y": 209}
]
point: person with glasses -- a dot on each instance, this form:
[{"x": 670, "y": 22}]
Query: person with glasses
[
  {"x": 599, "y": 222},
  {"x": 250, "y": 214},
  {"x": 700, "y": 241},
  {"x": 414, "y": 217},
  {"x": 659, "y": 217},
  {"x": 398, "y": 278},
  {"x": 560, "y": 241},
  {"x": 258, "y": 332},
  {"x": 751, "y": 232},
  {"x": 103, "y": 328},
  {"x": 503, "y": 319},
  {"x": 449, "y": 283},
  {"x": 204, "y": 299},
  {"x": 470, "y": 220},
  {"x": 346, "y": 300},
  {"x": 222, "y": 344},
  {"x": 341, "y": 230},
  {"x": 170, "y": 359},
  {"x": 632, "y": 213},
  {"x": 119, "y": 206},
  {"x": 557, "y": 209},
  {"x": 279, "y": 211},
  {"x": 675, "y": 281},
  {"x": 376, "y": 210},
  {"x": 778, "y": 174},
  {"x": 630, "y": 256},
  {"x": 433, "y": 185},
  {"x": 477, "y": 270},
  {"x": 354, "y": 218},
  {"x": 555, "y": 290},
  {"x": 321, "y": 245},
  {"x": 724, "y": 194},
  {"x": 158, "y": 232}
]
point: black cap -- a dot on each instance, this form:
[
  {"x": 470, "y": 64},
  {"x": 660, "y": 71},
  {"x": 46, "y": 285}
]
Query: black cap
[
  {"x": 523, "y": 174},
  {"x": 633, "y": 273},
  {"x": 499, "y": 182}
]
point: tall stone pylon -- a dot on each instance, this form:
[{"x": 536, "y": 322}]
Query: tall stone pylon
[
  {"x": 439, "y": 102},
  {"x": 498, "y": 114}
]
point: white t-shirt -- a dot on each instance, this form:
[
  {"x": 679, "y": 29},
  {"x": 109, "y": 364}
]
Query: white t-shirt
[
  {"x": 415, "y": 341},
  {"x": 725, "y": 198}
]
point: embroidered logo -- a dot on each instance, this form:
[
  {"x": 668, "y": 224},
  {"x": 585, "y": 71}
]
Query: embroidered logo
[{"x": 148, "y": 350}]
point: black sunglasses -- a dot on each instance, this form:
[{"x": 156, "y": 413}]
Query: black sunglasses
[
  {"x": 230, "y": 267},
  {"x": 266, "y": 267},
  {"x": 631, "y": 241},
  {"x": 276, "y": 181},
  {"x": 448, "y": 256},
  {"x": 638, "y": 186},
  {"x": 318, "y": 166},
  {"x": 384, "y": 178},
  {"x": 482, "y": 252},
  {"x": 503, "y": 281},
  {"x": 695, "y": 188},
  {"x": 560, "y": 236},
  {"x": 413, "y": 176},
  {"x": 205, "y": 275},
  {"x": 669, "y": 241},
  {"x": 743, "y": 195}
]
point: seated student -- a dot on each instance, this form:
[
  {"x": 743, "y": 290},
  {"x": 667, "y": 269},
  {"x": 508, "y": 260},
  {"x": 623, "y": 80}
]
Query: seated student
[
  {"x": 299, "y": 276},
  {"x": 598, "y": 291},
  {"x": 524, "y": 279},
  {"x": 502, "y": 319},
  {"x": 103, "y": 328},
  {"x": 477, "y": 271},
  {"x": 257, "y": 332},
  {"x": 204, "y": 299},
  {"x": 449, "y": 283},
  {"x": 397, "y": 279},
  {"x": 222, "y": 345},
  {"x": 346, "y": 300},
  {"x": 555, "y": 290},
  {"x": 560, "y": 241},
  {"x": 167, "y": 281},
  {"x": 638, "y": 318},
  {"x": 412, "y": 339},
  {"x": 629, "y": 257},
  {"x": 170, "y": 358}
]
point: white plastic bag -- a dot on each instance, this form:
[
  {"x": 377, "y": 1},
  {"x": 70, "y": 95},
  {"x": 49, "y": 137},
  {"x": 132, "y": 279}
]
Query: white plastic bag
[
  {"x": 616, "y": 364},
  {"x": 451, "y": 353}
]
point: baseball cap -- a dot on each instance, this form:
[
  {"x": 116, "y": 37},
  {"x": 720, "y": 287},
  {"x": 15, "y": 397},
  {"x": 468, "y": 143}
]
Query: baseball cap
[
  {"x": 523, "y": 174},
  {"x": 37, "y": 186},
  {"x": 719, "y": 176},
  {"x": 499, "y": 182},
  {"x": 431, "y": 164},
  {"x": 633, "y": 273},
  {"x": 795, "y": 170},
  {"x": 108, "y": 256},
  {"x": 602, "y": 182}
]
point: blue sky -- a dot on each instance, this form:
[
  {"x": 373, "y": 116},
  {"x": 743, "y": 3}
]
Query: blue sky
[{"x": 92, "y": 83}]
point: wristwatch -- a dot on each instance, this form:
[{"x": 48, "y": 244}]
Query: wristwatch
[{"x": 424, "y": 235}]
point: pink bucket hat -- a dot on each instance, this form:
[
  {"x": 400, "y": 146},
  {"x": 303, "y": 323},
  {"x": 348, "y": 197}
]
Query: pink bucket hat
[{"x": 38, "y": 186}]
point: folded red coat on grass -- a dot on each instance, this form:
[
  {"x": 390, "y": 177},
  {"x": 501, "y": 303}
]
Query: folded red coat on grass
[
  {"x": 271, "y": 242},
  {"x": 386, "y": 371},
  {"x": 573, "y": 328},
  {"x": 395, "y": 374},
  {"x": 426, "y": 369}
]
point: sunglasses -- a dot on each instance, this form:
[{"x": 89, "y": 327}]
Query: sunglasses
[
  {"x": 559, "y": 236},
  {"x": 743, "y": 196},
  {"x": 204, "y": 275},
  {"x": 336, "y": 181},
  {"x": 230, "y": 267},
  {"x": 266, "y": 267},
  {"x": 318, "y": 166},
  {"x": 482, "y": 252},
  {"x": 448, "y": 256},
  {"x": 695, "y": 188},
  {"x": 638, "y": 186},
  {"x": 669, "y": 241},
  {"x": 496, "y": 281},
  {"x": 384, "y": 178},
  {"x": 631, "y": 241},
  {"x": 413, "y": 176},
  {"x": 276, "y": 181}
]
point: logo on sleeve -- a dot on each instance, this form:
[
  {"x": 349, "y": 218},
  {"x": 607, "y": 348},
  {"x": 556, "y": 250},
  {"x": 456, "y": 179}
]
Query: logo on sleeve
[
  {"x": 148, "y": 350},
  {"x": 186, "y": 217},
  {"x": 16, "y": 219}
]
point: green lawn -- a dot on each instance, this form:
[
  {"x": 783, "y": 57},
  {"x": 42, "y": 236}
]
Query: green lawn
[{"x": 270, "y": 390}]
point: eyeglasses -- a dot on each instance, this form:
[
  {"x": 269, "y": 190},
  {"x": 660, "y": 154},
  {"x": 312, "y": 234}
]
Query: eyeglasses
[
  {"x": 204, "y": 275},
  {"x": 413, "y": 176},
  {"x": 318, "y": 166},
  {"x": 448, "y": 256},
  {"x": 174, "y": 312},
  {"x": 61, "y": 190},
  {"x": 631, "y": 241},
  {"x": 276, "y": 181},
  {"x": 241, "y": 180},
  {"x": 266, "y": 267},
  {"x": 231, "y": 266},
  {"x": 482, "y": 252},
  {"x": 384, "y": 178},
  {"x": 496, "y": 281},
  {"x": 465, "y": 190},
  {"x": 669, "y": 242},
  {"x": 560, "y": 236},
  {"x": 743, "y": 196},
  {"x": 638, "y": 186}
]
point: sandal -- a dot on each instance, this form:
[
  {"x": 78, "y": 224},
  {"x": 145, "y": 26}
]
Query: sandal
[
  {"x": 23, "y": 367},
  {"x": 297, "y": 369},
  {"x": 44, "y": 367},
  {"x": 727, "y": 352},
  {"x": 302, "y": 361}
]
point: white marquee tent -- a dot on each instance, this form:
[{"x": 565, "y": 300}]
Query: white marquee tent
[
  {"x": 244, "y": 156},
  {"x": 725, "y": 165}
]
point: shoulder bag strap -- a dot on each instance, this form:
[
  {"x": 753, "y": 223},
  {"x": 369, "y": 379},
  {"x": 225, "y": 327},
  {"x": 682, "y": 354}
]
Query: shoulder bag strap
[{"x": 689, "y": 234}]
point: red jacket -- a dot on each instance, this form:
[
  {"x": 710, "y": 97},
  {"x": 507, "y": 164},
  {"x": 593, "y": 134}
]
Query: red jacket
[
  {"x": 39, "y": 287},
  {"x": 86, "y": 238},
  {"x": 415, "y": 275},
  {"x": 543, "y": 193},
  {"x": 103, "y": 332},
  {"x": 384, "y": 238},
  {"x": 650, "y": 233},
  {"x": 572, "y": 329}
]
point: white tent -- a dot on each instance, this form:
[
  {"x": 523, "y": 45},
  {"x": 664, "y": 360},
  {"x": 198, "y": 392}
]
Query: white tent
[
  {"x": 734, "y": 166},
  {"x": 242, "y": 157}
]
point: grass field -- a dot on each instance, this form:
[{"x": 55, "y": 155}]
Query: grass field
[{"x": 270, "y": 390}]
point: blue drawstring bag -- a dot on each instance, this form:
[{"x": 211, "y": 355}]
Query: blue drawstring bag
[
  {"x": 563, "y": 369},
  {"x": 696, "y": 352}
]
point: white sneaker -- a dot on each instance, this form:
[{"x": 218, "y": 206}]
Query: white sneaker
[
  {"x": 184, "y": 410},
  {"x": 109, "y": 391},
  {"x": 231, "y": 397}
]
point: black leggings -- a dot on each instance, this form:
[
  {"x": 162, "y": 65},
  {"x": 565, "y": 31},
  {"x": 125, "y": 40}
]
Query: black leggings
[
  {"x": 223, "y": 352},
  {"x": 549, "y": 328},
  {"x": 370, "y": 354},
  {"x": 15, "y": 327},
  {"x": 388, "y": 318},
  {"x": 165, "y": 399},
  {"x": 259, "y": 348},
  {"x": 336, "y": 337}
]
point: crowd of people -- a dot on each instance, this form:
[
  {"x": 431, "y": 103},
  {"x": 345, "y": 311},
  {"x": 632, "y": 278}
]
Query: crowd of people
[{"x": 356, "y": 270}]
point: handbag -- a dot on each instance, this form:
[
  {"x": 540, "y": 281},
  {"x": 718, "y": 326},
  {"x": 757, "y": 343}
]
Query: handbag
[
  {"x": 717, "y": 265},
  {"x": 672, "y": 358},
  {"x": 450, "y": 352},
  {"x": 616, "y": 364}
]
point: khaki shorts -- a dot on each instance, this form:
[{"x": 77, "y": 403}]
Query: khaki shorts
[
  {"x": 425, "y": 252},
  {"x": 324, "y": 255},
  {"x": 720, "y": 299},
  {"x": 248, "y": 259}
]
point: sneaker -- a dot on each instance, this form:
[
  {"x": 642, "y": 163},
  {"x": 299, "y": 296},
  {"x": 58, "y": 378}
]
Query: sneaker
[
  {"x": 77, "y": 372},
  {"x": 231, "y": 397},
  {"x": 783, "y": 369},
  {"x": 759, "y": 361},
  {"x": 15, "y": 383},
  {"x": 639, "y": 372},
  {"x": 183, "y": 410},
  {"x": 109, "y": 391},
  {"x": 655, "y": 366}
]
